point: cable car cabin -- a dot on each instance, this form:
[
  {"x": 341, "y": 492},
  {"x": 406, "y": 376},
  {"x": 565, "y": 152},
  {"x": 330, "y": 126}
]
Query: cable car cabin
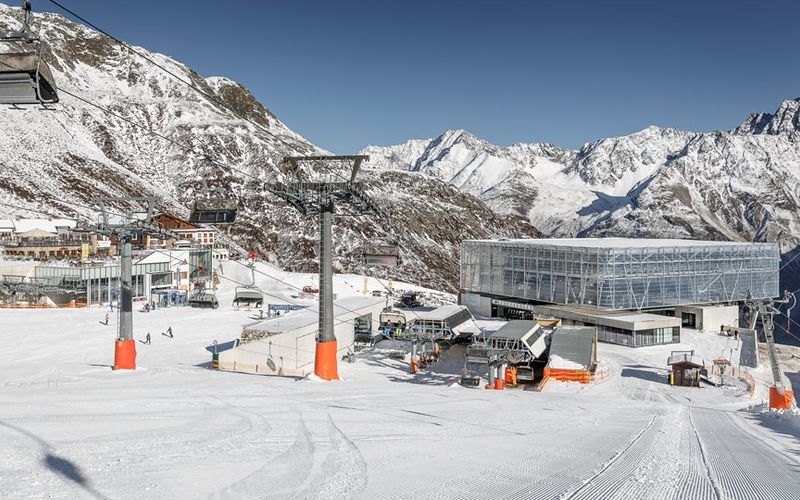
[
  {"x": 26, "y": 79},
  {"x": 204, "y": 300},
  {"x": 247, "y": 297},
  {"x": 213, "y": 211}
]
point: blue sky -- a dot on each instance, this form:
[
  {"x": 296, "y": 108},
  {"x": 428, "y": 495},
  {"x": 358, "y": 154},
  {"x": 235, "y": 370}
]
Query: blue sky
[{"x": 346, "y": 74}]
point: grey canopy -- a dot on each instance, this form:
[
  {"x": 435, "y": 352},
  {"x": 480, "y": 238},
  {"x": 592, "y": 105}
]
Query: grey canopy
[{"x": 26, "y": 79}]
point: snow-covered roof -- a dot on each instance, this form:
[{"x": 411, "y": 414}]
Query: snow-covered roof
[
  {"x": 620, "y": 242},
  {"x": 685, "y": 358},
  {"x": 7, "y": 224},
  {"x": 309, "y": 316},
  {"x": 49, "y": 225}
]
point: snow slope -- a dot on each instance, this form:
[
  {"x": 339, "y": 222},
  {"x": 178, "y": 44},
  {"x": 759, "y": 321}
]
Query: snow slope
[{"x": 73, "y": 428}]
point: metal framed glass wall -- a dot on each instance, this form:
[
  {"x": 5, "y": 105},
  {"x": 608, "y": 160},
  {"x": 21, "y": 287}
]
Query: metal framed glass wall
[
  {"x": 102, "y": 282},
  {"x": 619, "y": 277}
]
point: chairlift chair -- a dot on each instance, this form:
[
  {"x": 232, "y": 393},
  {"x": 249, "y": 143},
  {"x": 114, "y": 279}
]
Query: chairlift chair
[
  {"x": 213, "y": 210},
  {"x": 248, "y": 296},
  {"x": 212, "y": 205},
  {"x": 382, "y": 252},
  {"x": 25, "y": 78},
  {"x": 204, "y": 300}
]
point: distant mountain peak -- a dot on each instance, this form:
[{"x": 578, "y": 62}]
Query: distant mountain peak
[{"x": 786, "y": 119}]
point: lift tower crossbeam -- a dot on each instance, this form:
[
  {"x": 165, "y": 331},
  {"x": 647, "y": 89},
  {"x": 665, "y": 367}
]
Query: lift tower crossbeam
[
  {"x": 126, "y": 227},
  {"x": 320, "y": 197}
]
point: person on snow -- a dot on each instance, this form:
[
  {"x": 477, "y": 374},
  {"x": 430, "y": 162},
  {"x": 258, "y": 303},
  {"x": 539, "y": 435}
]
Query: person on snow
[
  {"x": 106, "y": 321},
  {"x": 147, "y": 338},
  {"x": 168, "y": 333}
]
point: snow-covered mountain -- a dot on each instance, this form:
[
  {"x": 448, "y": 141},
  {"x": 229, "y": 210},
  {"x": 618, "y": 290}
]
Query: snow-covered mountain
[
  {"x": 742, "y": 184},
  {"x": 53, "y": 161}
]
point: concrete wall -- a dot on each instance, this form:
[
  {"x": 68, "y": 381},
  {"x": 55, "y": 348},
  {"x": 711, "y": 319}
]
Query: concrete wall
[
  {"x": 292, "y": 353},
  {"x": 710, "y": 318}
]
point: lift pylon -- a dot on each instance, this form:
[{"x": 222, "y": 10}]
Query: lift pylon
[
  {"x": 127, "y": 227},
  {"x": 320, "y": 196},
  {"x": 780, "y": 398}
]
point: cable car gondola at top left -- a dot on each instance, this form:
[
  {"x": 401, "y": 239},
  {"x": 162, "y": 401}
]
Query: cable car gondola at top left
[{"x": 25, "y": 78}]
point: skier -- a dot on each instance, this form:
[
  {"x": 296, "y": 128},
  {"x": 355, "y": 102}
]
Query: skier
[
  {"x": 261, "y": 314},
  {"x": 168, "y": 333},
  {"x": 106, "y": 321},
  {"x": 147, "y": 338}
]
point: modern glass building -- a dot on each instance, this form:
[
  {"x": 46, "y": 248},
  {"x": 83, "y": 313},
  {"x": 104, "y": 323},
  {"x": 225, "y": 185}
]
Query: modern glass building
[{"x": 619, "y": 273}]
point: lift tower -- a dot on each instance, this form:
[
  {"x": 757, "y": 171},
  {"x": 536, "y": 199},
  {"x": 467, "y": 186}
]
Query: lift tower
[
  {"x": 319, "y": 196},
  {"x": 126, "y": 227},
  {"x": 780, "y": 398}
]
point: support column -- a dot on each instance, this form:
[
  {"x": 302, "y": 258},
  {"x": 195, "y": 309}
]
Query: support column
[
  {"x": 325, "y": 364},
  {"x": 780, "y": 398},
  {"x": 125, "y": 347}
]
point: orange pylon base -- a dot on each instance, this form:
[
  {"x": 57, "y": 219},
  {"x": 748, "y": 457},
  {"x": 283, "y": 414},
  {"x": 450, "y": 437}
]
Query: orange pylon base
[
  {"x": 125, "y": 355},
  {"x": 778, "y": 400},
  {"x": 498, "y": 384},
  {"x": 325, "y": 366}
]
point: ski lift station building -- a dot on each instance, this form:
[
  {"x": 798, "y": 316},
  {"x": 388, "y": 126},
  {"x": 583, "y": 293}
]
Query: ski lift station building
[
  {"x": 286, "y": 345},
  {"x": 635, "y": 291}
]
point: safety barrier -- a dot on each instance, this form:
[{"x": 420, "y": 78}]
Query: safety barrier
[
  {"x": 582, "y": 376},
  {"x": 543, "y": 382},
  {"x": 600, "y": 375}
]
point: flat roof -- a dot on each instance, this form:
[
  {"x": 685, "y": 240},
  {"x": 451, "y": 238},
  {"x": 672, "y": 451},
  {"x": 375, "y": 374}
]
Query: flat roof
[
  {"x": 619, "y": 242},
  {"x": 310, "y": 315},
  {"x": 515, "y": 329},
  {"x": 608, "y": 317},
  {"x": 438, "y": 314}
]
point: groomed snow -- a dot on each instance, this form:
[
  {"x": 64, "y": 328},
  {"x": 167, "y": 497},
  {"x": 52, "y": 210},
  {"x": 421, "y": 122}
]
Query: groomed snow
[{"x": 70, "y": 427}]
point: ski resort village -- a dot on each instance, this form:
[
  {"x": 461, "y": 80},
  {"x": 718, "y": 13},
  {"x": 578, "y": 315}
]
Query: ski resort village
[{"x": 198, "y": 302}]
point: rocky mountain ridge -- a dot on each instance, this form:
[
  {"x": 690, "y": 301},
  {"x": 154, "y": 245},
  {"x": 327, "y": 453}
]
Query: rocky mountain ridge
[{"x": 53, "y": 162}]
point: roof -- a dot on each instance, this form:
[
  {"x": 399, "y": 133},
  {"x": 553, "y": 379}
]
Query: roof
[
  {"x": 174, "y": 223},
  {"x": 686, "y": 358},
  {"x": 608, "y": 317},
  {"x": 619, "y": 242},
  {"x": 310, "y": 316},
  {"x": 515, "y": 329},
  {"x": 574, "y": 344},
  {"x": 438, "y": 314},
  {"x": 36, "y": 233},
  {"x": 7, "y": 224},
  {"x": 50, "y": 225}
]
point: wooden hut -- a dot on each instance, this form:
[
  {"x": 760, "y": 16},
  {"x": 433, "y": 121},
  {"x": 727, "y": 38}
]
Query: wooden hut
[{"x": 685, "y": 368}]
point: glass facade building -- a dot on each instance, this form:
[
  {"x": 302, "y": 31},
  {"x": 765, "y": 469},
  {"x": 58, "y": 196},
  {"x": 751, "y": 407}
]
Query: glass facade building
[
  {"x": 102, "y": 282},
  {"x": 618, "y": 273}
]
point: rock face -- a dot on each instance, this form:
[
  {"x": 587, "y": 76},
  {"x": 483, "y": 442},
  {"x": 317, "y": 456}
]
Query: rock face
[
  {"x": 742, "y": 184},
  {"x": 53, "y": 162}
]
